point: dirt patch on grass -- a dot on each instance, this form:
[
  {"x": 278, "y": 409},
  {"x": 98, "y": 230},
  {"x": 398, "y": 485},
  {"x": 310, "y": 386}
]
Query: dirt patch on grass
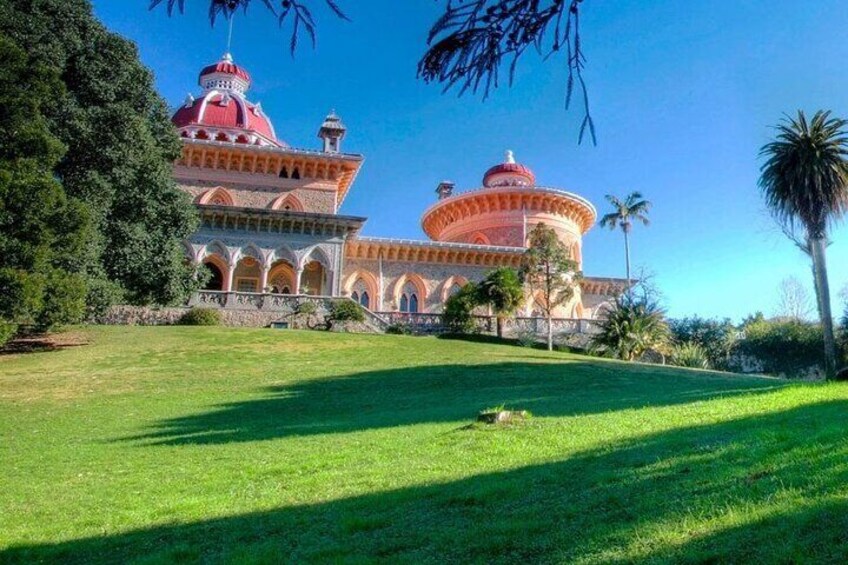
[{"x": 42, "y": 343}]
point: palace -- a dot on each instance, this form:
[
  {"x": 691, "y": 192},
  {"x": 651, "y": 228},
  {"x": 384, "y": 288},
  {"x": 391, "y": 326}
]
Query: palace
[{"x": 271, "y": 221}]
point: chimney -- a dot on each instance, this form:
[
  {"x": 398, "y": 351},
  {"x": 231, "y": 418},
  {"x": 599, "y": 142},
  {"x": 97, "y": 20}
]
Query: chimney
[{"x": 445, "y": 189}]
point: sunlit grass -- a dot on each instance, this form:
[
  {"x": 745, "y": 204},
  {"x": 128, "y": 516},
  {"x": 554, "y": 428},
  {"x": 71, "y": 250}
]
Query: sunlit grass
[{"x": 163, "y": 444}]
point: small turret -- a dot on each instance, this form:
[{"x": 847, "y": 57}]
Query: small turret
[
  {"x": 445, "y": 189},
  {"x": 332, "y": 132}
]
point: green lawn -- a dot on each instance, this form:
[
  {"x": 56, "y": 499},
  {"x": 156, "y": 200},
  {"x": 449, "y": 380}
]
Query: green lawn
[{"x": 209, "y": 444}]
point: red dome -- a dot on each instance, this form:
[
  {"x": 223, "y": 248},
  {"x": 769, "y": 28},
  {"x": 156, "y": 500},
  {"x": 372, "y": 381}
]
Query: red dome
[
  {"x": 227, "y": 67},
  {"x": 233, "y": 118},
  {"x": 509, "y": 173},
  {"x": 222, "y": 113}
]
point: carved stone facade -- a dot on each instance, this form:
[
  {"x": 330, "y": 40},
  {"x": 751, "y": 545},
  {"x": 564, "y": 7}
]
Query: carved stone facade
[{"x": 270, "y": 222}]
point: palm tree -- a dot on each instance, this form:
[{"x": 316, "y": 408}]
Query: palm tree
[
  {"x": 634, "y": 207},
  {"x": 503, "y": 291},
  {"x": 804, "y": 182}
]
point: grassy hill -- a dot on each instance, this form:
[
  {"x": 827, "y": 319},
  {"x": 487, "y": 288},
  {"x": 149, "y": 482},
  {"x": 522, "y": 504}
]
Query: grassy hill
[{"x": 189, "y": 444}]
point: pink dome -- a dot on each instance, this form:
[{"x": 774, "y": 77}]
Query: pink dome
[
  {"x": 222, "y": 112},
  {"x": 509, "y": 173}
]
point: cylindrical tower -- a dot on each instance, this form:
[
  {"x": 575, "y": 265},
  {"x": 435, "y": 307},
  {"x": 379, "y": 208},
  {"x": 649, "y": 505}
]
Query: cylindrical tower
[{"x": 505, "y": 209}]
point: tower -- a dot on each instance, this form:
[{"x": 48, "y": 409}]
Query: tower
[{"x": 332, "y": 132}]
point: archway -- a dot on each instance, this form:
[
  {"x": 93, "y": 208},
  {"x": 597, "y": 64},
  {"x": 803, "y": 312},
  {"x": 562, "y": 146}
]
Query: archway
[
  {"x": 312, "y": 279},
  {"x": 247, "y": 275},
  {"x": 217, "y": 277},
  {"x": 281, "y": 278}
]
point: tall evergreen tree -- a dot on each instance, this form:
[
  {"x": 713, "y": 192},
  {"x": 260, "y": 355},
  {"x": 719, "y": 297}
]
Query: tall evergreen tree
[
  {"x": 42, "y": 231},
  {"x": 120, "y": 147}
]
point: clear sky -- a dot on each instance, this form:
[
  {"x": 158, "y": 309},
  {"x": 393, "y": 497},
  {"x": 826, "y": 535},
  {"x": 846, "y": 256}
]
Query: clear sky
[{"x": 683, "y": 93}]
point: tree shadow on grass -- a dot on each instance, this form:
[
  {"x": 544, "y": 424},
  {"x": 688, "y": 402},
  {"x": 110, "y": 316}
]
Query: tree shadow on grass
[
  {"x": 725, "y": 492},
  {"x": 446, "y": 393}
]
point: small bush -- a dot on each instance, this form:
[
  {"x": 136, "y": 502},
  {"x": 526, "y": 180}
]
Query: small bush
[
  {"x": 630, "y": 328},
  {"x": 526, "y": 338},
  {"x": 7, "y": 332},
  {"x": 458, "y": 316},
  {"x": 689, "y": 354},
  {"x": 201, "y": 317},
  {"x": 346, "y": 311},
  {"x": 716, "y": 337},
  {"x": 399, "y": 329}
]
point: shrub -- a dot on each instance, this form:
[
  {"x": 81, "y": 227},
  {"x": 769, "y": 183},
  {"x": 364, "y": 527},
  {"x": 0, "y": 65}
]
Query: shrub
[
  {"x": 843, "y": 336},
  {"x": 526, "y": 338},
  {"x": 458, "y": 316},
  {"x": 399, "y": 329},
  {"x": 689, "y": 354},
  {"x": 102, "y": 294},
  {"x": 630, "y": 328},
  {"x": 783, "y": 347},
  {"x": 201, "y": 317},
  {"x": 717, "y": 338},
  {"x": 344, "y": 311},
  {"x": 7, "y": 332}
]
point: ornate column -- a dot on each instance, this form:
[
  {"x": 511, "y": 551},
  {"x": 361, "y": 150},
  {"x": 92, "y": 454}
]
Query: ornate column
[
  {"x": 298, "y": 273},
  {"x": 263, "y": 278},
  {"x": 231, "y": 271}
]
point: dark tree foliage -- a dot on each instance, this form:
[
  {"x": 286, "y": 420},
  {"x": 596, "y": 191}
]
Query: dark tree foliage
[
  {"x": 716, "y": 337},
  {"x": 296, "y": 11},
  {"x": 472, "y": 41},
  {"x": 120, "y": 147},
  {"x": 458, "y": 315},
  {"x": 42, "y": 231},
  {"x": 468, "y": 45}
]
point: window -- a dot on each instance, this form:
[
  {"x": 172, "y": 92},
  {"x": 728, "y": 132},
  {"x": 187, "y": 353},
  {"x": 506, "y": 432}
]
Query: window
[
  {"x": 409, "y": 303},
  {"x": 355, "y": 296},
  {"x": 364, "y": 300},
  {"x": 247, "y": 285}
]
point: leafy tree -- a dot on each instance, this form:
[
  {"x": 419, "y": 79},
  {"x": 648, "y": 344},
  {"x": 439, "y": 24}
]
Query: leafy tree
[
  {"x": 458, "y": 316},
  {"x": 503, "y": 291},
  {"x": 717, "y": 338},
  {"x": 633, "y": 326},
  {"x": 803, "y": 181},
  {"x": 549, "y": 272},
  {"x": 783, "y": 346},
  {"x": 467, "y": 46},
  {"x": 120, "y": 149},
  {"x": 793, "y": 300},
  {"x": 634, "y": 207},
  {"x": 42, "y": 231}
]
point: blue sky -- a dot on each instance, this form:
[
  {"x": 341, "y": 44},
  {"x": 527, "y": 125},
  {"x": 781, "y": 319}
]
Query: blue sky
[{"x": 683, "y": 95}]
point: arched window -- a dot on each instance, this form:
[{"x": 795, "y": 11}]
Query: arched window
[
  {"x": 216, "y": 277},
  {"x": 296, "y": 173},
  {"x": 355, "y": 296},
  {"x": 284, "y": 172},
  {"x": 365, "y": 300},
  {"x": 409, "y": 303}
]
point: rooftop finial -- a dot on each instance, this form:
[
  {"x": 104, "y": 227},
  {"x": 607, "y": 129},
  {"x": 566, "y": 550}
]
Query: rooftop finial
[
  {"x": 510, "y": 157},
  {"x": 230, "y": 39}
]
